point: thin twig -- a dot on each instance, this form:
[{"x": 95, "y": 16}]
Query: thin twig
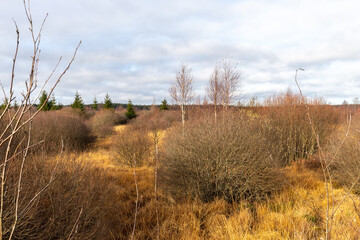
[{"x": 137, "y": 199}]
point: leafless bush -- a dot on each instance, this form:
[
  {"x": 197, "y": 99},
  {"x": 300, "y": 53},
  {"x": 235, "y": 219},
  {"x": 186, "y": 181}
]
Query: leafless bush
[
  {"x": 230, "y": 159},
  {"x": 82, "y": 201},
  {"x": 155, "y": 119},
  {"x": 346, "y": 159},
  {"x": 287, "y": 114},
  {"x": 18, "y": 123},
  {"x": 103, "y": 122},
  {"x": 55, "y": 127},
  {"x": 130, "y": 144}
]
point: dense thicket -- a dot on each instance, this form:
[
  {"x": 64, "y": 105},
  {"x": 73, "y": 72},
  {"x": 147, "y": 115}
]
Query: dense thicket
[
  {"x": 344, "y": 157},
  {"x": 287, "y": 114},
  {"x": 103, "y": 122},
  {"x": 60, "y": 129},
  {"x": 231, "y": 158}
]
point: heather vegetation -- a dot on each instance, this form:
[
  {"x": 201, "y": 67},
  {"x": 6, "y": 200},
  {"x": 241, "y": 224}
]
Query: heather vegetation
[{"x": 286, "y": 168}]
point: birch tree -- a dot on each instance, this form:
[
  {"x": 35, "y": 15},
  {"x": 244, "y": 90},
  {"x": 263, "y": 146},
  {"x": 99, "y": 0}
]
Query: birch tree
[
  {"x": 215, "y": 89},
  {"x": 181, "y": 90},
  {"x": 230, "y": 81}
]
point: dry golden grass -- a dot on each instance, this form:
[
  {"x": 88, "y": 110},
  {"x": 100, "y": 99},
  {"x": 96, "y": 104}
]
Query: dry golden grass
[
  {"x": 298, "y": 212},
  {"x": 119, "y": 128}
]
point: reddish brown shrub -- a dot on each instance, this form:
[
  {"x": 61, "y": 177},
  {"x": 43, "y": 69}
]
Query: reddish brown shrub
[
  {"x": 287, "y": 114},
  {"x": 132, "y": 146},
  {"x": 345, "y": 154},
  {"x": 103, "y": 122},
  {"x": 57, "y": 127},
  {"x": 231, "y": 159}
]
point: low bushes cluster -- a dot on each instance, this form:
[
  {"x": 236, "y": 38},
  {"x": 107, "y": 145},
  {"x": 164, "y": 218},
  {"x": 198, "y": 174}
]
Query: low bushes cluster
[
  {"x": 81, "y": 201},
  {"x": 132, "y": 147},
  {"x": 231, "y": 159}
]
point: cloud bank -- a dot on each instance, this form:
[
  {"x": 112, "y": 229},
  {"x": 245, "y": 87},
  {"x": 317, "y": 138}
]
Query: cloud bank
[{"x": 133, "y": 49}]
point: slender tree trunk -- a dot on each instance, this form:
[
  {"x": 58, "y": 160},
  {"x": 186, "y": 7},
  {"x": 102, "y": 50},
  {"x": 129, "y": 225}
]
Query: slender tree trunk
[
  {"x": 155, "y": 184},
  {"x": 137, "y": 199},
  {"x": 183, "y": 116},
  {"x": 215, "y": 110}
]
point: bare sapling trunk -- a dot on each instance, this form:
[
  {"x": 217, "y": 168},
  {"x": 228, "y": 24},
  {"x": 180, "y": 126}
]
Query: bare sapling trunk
[
  {"x": 155, "y": 131},
  {"x": 19, "y": 119},
  {"x": 137, "y": 198},
  {"x": 183, "y": 115},
  {"x": 156, "y": 143}
]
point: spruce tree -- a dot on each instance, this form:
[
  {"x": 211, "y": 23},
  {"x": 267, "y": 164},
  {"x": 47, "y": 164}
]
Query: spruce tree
[
  {"x": 164, "y": 105},
  {"x": 43, "y": 98},
  {"x": 4, "y": 104},
  {"x": 95, "y": 105},
  {"x": 107, "y": 102},
  {"x": 16, "y": 106},
  {"x": 130, "y": 113},
  {"x": 54, "y": 106},
  {"x": 78, "y": 102}
]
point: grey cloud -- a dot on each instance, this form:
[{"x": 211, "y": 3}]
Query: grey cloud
[{"x": 132, "y": 49}]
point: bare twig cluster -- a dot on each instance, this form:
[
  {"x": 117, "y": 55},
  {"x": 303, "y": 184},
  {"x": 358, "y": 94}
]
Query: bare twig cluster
[
  {"x": 325, "y": 161},
  {"x": 182, "y": 90},
  {"x": 18, "y": 120},
  {"x": 223, "y": 85}
]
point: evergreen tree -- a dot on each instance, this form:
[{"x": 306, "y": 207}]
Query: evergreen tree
[
  {"x": 60, "y": 106},
  {"x": 95, "y": 106},
  {"x": 164, "y": 105},
  {"x": 4, "y": 104},
  {"x": 16, "y": 106},
  {"x": 130, "y": 113},
  {"x": 43, "y": 98},
  {"x": 107, "y": 102},
  {"x": 54, "y": 106},
  {"x": 78, "y": 102}
]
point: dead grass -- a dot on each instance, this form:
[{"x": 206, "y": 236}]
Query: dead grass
[{"x": 295, "y": 213}]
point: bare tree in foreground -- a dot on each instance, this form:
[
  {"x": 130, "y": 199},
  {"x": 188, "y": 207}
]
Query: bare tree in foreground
[
  {"x": 182, "y": 90},
  {"x": 230, "y": 81},
  {"x": 17, "y": 120}
]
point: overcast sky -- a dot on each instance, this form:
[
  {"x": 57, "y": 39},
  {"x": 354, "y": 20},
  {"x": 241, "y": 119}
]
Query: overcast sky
[{"x": 133, "y": 49}]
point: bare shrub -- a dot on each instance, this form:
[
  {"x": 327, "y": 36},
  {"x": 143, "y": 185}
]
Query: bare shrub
[
  {"x": 346, "y": 159},
  {"x": 103, "y": 122},
  {"x": 287, "y": 114},
  {"x": 230, "y": 159},
  {"x": 155, "y": 118},
  {"x": 82, "y": 201},
  {"x": 130, "y": 144},
  {"x": 55, "y": 127}
]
